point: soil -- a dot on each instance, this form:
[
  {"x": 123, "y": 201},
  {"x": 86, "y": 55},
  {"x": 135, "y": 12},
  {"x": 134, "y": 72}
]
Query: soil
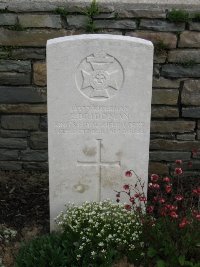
[{"x": 24, "y": 207}]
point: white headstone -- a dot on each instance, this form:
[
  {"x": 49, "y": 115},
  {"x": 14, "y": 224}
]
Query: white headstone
[{"x": 99, "y": 105}]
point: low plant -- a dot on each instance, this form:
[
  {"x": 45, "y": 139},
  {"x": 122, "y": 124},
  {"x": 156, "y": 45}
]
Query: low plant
[
  {"x": 61, "y": 11},
  {"x": 176, "y": 15},
  {"x": 91, "y": 12},
  {"x": 105, "y": 232},
  {"x": 196, "y": 17},
  {"x": 160, "y": 47},
  {"x": 171, "y": 225},
  {"x": 16, "y": 27}
]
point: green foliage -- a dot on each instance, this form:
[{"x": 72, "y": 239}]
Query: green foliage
[
  {"x": 61, "y": 11},
  {"x": 197, "y": 17},
  {"x": 160, "y": 47},
  {"x": 178, "y": 16},
  {"x": 91, "y": 12}
]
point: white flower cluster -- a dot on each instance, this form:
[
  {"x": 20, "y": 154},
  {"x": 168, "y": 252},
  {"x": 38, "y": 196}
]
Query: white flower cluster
[
  {"x": 6, "y": 234},
  {"x": 101, "y": 226}
]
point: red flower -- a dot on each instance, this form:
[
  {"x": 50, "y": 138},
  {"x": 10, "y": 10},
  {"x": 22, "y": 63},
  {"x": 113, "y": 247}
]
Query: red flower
[
  {"x": 178, "y": 197},
  {"x": 178, "y": 161},
  {"x": 173, "y": 214},
  {"x": 196, "y": 191},
  {"x": 183, "y": 223},
  {"x": 168, "y": 189},
  {"x": 132, "y": 199},
  {"x": 173, "y": 208},
  {"x": 127, "y": 207},
  {"x": 136, "y": 195},
  {"x": 178, "y": 171},
  {"x": 143, "y": 199},
  {"x": 128, "y": 173},
  {"x": 155, "y": 199},
  {"x": 150, "y": 209},
  {"x": 161, "y": 200},
  {"x": 126, "y": 187},
  {"x": 154, "y": 178},
  {"x": 154, "y": 186},
  {"x": 166, "y": 179}
]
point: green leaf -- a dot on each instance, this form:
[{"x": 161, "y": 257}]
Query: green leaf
[
  {"x": 160, "y": 263},
  {"x": 151, "y": 252},
  {"x": 181, "y": 260}
]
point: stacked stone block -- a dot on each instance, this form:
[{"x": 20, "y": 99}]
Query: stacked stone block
[{"x": 24, "y": 30}]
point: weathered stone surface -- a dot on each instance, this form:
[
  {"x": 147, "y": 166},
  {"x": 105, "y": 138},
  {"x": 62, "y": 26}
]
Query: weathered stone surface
[
  {"x": 7, "y": 154},
  {"x": 164, "y": 112},
  {"x": 161, "y": 25},
  {"x": 191, "y": 93},
  {"x": 43, "y": 123},
  {"x": 23, "y": 108},
  {"x": 34, "y": 37},
  {"x": 165, "y": 96},
  {"x": 20, "y": 122},
  {"x": 15, "y": 78},
  {"x": 8, "y": 19},
  {"x": 141, "y": 13},
  {"x": 15, "y": 65},
  {"x": 189, "y": 39},
  {"x": 156, "y": 70},
  {"x": 161, "y": 144},
  {"x": 20, "y": 94},
  {"x": 78, "y": 21},
  {"x": 39, "y": 73},
  {"x": 36, "y": 166},
  {"x": 194, "y": 26},
  {"x": 92, "y": 62},
  {"x": 116, "y": 24},
  {"x": 158, "y": 168},
  {"x": 178, "y": 71},
  {"x": 198, "y": 134},
  {"x": 34, "y": 155},
  {"x": 172, "y": 126},
  {"x": 28, "y": 53},
  {"x": 168, "y": 155},
  {"x": 184, "y": 55},
  {"x": 3, "y": 53},
  {"x": 165, "y": 83},
  {"x": 160, "y": 57},
  {"x": 111, "y": 15},
  {"x": 163, "y": 136},
  {"x": 39, "y": 140},
  {"x": 191, "y": 112},
  {"x": 40, "y": 21},
  {"x": 110, "y": 31},
  {"x": 169, "y": 39},
  {"x": 13, "y": 133},
  {"x": 13, "y": 143},
  {"x": 10, "y": 165},
  {"x": 186, "y": 137}
]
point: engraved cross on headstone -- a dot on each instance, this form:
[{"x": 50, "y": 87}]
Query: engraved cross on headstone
[{"x": 99, "y": 163}]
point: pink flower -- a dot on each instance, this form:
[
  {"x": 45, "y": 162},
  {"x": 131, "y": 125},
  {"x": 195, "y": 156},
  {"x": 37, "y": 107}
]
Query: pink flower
[
  {"x": 173, "y": 214},
  {"x": 178, "y": 161},
  {"x": 161, "y": 200},
  {"x": 126, "y": 187},
  {"x": 178, "y": 171},
  {"x": 150, "y": 209},
  {"x": 132, "y": 199},
  {"x": 183, "y": 223},
  {"x": 128, "y": 173},
  {"x": 168, "y": 189},
  {"x": 154, "y": 186},
  {"x": 178, "y": 197},
  {"x": 143, "y": 199},
  {"x": 173, "y": 208},
  {"x": 197, "y": 216},
  {"x": 196, "y": 191},
  {"x": 127, "y": 207},
  {"x": 166, "y": 179},
  {"x": 136, "y": 195},
  {"x": 154, "y": 178}
]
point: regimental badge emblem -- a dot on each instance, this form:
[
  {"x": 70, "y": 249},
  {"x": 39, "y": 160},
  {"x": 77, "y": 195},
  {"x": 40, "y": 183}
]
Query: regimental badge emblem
[{"x": 99, "y": 76}]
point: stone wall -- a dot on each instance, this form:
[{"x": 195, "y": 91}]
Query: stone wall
[{"x": 24, "y": 29}]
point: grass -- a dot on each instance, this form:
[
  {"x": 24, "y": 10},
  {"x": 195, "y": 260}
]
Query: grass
[
  {"x": 61, "y": 11},
  {"x": 178, "y": 16},
  {"x": 91, "y": 12}
]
